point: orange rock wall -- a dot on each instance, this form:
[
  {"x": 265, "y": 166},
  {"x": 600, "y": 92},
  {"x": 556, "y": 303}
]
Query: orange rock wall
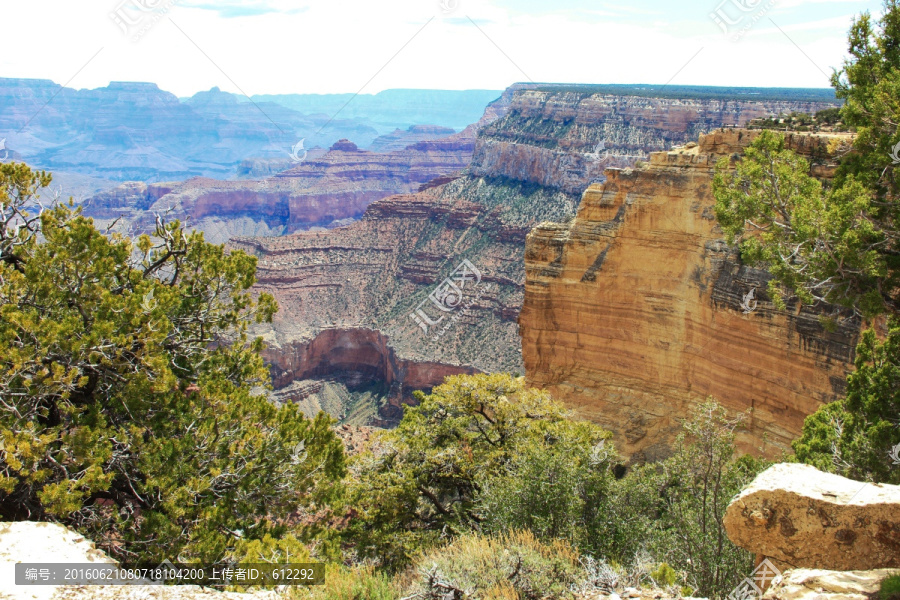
[{"x": 632, "y": 314}]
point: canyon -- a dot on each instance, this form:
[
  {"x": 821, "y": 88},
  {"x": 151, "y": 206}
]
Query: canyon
[
  {"x": 325, "y": 189},
  {"x": 637, "y": 310},
  {"x": 310, "y": 190},
  {"x": 440, "y": 274},
  {"x": 136, "y": 131},
  {"x": 373, "y": 274}
]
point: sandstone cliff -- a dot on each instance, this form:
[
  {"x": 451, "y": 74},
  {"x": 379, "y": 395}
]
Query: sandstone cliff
[
  {"x": 335, "y": 370},
  {"x": 633, "y": 313}
]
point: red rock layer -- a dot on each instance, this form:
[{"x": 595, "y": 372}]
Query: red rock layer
[
  {"x": 373, "y": 273},
  {"x": 357, "y": 356},
  {"x": 317, "y": 192}
]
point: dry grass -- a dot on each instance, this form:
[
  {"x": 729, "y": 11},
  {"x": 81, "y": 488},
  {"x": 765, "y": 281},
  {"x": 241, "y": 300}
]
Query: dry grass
[{"x": 514, "y": 566}]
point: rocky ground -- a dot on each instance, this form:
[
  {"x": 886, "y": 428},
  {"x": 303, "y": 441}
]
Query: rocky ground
[{"x": 45, "y": 542}]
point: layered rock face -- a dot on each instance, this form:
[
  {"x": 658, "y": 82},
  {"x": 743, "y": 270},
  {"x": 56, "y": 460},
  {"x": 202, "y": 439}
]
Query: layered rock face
[
  {"x": 352, "y": 359},
  {"x": 638, "y": 310},
  {"x": 400, "y": 139},
  {"x": 380, "y": 272},
  {"x": 567, "y": 139},
  {"x": 325, "y": 189},
  {"x": 802, "y": 517},
  {"x": 404, "y": 256},
  {"x": 318, "y": 192}
]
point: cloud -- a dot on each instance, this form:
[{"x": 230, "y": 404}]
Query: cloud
[
  {"x": 466, "y": 21},
  {"x": 340, "y": 46},
  {"x": 229, "y": 9}
]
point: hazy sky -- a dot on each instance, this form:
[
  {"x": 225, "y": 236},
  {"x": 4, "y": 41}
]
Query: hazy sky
[{"x": 321, "y": 46}]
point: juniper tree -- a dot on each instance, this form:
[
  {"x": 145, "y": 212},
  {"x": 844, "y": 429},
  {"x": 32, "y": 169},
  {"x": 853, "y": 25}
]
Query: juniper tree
[
  {"x": 127, "y": 404},
  {"x": 837, "y": 243}
]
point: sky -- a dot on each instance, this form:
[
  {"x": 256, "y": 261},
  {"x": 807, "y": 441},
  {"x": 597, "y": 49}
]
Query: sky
[{"x": 336, "y": 46}]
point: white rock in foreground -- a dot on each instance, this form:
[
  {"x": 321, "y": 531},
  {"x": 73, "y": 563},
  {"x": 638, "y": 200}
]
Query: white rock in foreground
[
  {"x": 51, "y": 543},
  {"x": 803, "y": 517},
  {"x": 816, "y": 584}
]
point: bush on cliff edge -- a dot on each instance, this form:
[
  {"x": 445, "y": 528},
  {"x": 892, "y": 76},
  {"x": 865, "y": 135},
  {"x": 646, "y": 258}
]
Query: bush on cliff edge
[{"x": 485, "y": 454}]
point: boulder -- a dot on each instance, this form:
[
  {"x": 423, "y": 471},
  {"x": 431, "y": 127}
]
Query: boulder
[
  {"x": 817, "y": 584},
  {"x": 805, "y": 518}
]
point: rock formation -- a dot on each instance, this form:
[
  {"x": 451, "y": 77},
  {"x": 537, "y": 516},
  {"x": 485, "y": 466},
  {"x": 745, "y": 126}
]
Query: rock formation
[
  {"x": 367, "y": 280},
  {"x": 137, "y": 131},
  {"x": 337, "y": 186},
  {"x": 400, "y": 139},
  {"x": 530, "y": 165},
  {"x": 305, "y": 373},
  {"x": 818, "y": 584},
  {"x": 802, "y": 517},
  {"x": 565, "y": 140},
  {"x": 638, "y": 310},
  {"x": 28, "y": 542}
]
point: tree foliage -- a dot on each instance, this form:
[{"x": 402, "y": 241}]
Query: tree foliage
[
  {"x": 556, "y": 486},
  {"x": 859, "y": 436},
  {"x": 425, "y": 482},
  {"x": 819, "y": 247},
  {"x": 674, "y": 509},
  {"x": 838, "y": 243},
  {"x": 126, "y": 383},
  {"x": 485, "y": 454}
]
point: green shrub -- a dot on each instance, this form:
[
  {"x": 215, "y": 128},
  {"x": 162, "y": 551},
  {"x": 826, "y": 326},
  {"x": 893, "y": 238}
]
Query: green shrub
[
  {"x": 458, "y": 457},
  {"x": 674, "y": 509},
  {"x": 858, "y": 437},
  {"x": 556, "y": 486},
  {"x": 890, "y": 588},
  {"x": 664, "y": 575},
  {"x": 342, "y": 583},
  {"x": 512, "y": 566},
  {"x": 127, "y": 376}
]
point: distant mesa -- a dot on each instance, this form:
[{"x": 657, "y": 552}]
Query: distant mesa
[
  {"x": 431, "y": 130},
  {"x": 133, "y": 86},
  {"x": 134, "y": 131},
  {"x": 214, "y": 96},
  {"x": 345, "y": 145},
  {"x": 404, "y": 138}
]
